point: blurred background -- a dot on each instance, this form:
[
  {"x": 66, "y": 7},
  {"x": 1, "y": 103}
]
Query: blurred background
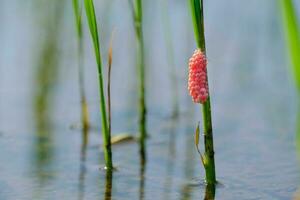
[{"x": 254, "y": 102}]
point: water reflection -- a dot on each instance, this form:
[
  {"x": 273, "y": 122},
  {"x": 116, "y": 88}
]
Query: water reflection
[
  {"x": 45, "y": 80},
  {"x": 143, "y": 157},
  {"x": 210, "y": 191},
  {"x": 170, "y": 159},
  {"x": 82, "y": 172},
  {"x": 77, "y": 9},
  {"x": 297, "y": 195},
  {"x": 187, "y": 191},
  {"x": 142, "y": 178},
  {"x": 108, "y": 185},
  {"x": 143, "y": 135}
]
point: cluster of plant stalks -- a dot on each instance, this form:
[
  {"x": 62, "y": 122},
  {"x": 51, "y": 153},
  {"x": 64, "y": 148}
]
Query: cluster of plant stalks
[
  {"x": 105, "y": 107},
  {"x": 105, "y": 121},
  {"x": 208, "y": 160},
  {"x": 136, "y": 6}
]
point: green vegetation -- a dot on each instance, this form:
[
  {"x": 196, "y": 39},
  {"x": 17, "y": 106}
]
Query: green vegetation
[
  {"x": 292, "y": 33},
  {"x": 137, "y": 12},
  {"x": 84, "y": 107},
  {"x": 91, "y": 17},
  {"x": 208, "y": 157}
]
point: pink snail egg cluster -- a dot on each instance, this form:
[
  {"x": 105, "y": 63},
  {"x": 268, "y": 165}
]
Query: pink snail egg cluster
[{"x": 198, "y": 85}]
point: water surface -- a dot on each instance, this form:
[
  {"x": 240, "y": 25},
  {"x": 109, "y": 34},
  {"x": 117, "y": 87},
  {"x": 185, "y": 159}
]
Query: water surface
[{"x": 254, "y": 103}]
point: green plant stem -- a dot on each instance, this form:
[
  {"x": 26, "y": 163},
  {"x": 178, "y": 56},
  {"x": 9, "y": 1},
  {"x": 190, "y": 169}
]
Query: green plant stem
[
  {"x": 198, "y": 21},
  {"x": 84, "y": 106},
  {"x": 292, "y": 33},
  {"x": 138, "y": 17},
  {"x": 90, "y": 12},
  {"x": 208, "y": 143}
]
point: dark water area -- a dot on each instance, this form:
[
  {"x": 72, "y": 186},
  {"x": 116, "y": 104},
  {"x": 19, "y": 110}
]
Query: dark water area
[{"x": 254, "y": 103}]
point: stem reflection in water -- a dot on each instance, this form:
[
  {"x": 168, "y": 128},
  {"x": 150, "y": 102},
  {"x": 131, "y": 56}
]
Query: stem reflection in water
[
  {"x": 189, "y": 164},
  {"x": 187, "y": 191},
  {"x": 82, "y": 172},
  {"x": 137, "y": 14},
  {"x": 210, "y": 191},
  {"x": 170, "y": 158},
  {"x": 142, "y": 178},
  {"x": 108, "y": 185},
  {"x": 46, "y": 73}
]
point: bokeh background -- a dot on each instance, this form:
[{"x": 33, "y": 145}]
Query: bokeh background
[{"x": 254, "y": 102}]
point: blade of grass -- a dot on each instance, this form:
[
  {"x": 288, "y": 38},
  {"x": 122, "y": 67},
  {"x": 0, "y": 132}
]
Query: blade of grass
[
  {"x": 292, "y": 35},
  {"x": 84, "y": 107},
  {"x": 91, "y": 17},
  {"x": 198, "y": 22}
]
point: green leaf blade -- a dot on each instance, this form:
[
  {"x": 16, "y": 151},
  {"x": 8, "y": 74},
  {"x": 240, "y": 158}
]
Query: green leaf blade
[{"x": 292, "y": 34}]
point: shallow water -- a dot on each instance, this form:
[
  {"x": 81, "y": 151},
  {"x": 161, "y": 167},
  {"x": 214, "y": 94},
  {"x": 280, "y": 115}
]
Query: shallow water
[{"x": 254, "y": 104}]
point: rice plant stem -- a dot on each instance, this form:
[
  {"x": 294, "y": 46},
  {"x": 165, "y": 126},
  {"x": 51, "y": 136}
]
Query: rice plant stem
[
  {"x": 198, "y": 22},
  {"x": 90, "y": 12},
  {"x": 84, "y": 108},
  {"x": 138, "y": 16}
]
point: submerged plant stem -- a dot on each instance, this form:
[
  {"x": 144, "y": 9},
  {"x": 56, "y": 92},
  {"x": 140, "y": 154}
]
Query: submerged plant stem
[
  {"x": 90, "y": 12},
  {"x": 198, "y": 21}
]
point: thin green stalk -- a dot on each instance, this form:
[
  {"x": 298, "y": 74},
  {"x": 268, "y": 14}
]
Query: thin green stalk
[
  {"x": 292, "y": 33},
  {"x": 138, "y": 17},
  {"x": 84, "y": 107},
  {"x": 198, "y": 21},
  {"x": 91, "y": 17}
]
